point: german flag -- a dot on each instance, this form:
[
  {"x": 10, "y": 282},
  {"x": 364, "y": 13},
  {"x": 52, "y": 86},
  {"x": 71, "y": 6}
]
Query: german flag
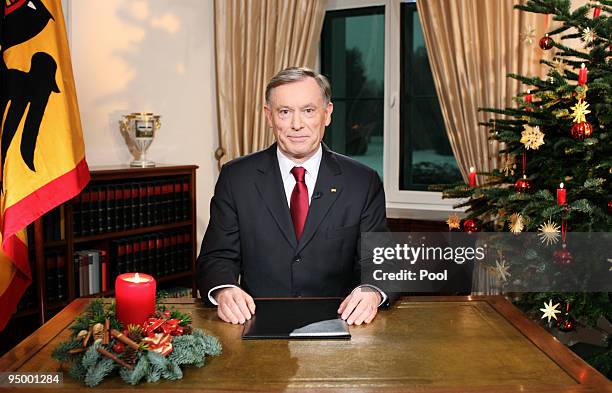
[{"x": 42, "y": 152}]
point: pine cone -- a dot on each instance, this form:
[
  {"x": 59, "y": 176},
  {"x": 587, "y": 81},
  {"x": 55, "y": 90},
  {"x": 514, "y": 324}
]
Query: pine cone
[
  {"x": 97, "y": 331},
  {"x": 130, "y": 356},
  {"x": 187, "y": 330},
  {"x": 135, "y": 333}
]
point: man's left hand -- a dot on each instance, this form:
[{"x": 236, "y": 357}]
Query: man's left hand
[{"x": 360, "y": 306}]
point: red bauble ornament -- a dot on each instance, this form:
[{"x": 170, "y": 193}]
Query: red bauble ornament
[
  {"x": 610, "y": 207},
  {"x": 119, "y": 347},
  {"x": 470, "y": 225},
  {"x": 581, "y": 130},
  {"x": 522, "y": 185},
  {"x": 546, "y": 42},
  {"x": 563, "y": 256},
  {"x": 566, "y": 325},
  {"x": 566, "y": 322}
]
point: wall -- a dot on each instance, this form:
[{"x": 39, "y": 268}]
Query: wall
[{"x": 148, "y": 56}]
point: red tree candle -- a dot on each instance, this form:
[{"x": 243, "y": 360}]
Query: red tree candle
[
  {"x": 472, "y": 177},
  {"x": 582, "y": 75},
  {"x": 529, "y": 97},
  {"x": 596, "y": 11},
  {"x": 561, "y": 196},
  {"x": 135, "y": 297}
]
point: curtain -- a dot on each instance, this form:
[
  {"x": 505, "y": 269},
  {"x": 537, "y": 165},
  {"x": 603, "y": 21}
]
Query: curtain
[
  {"x": 254, "y": 40},
  {"x": 472, "y": 45}
]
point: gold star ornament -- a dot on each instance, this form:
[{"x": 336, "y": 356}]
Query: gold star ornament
[
  {"x": 454, "y": 222},
  {"x": 509, "y": 165},
  {"x": 501, "y": 270},
  {"x": 580, "y": 111},
  {"x": 549, "y": 233},
  {"x": 588, "y": 35},
  {"x": 532, "y": 137},
  {"x": 559, "y": 65},
  {"x": 550, "y": 311},
  {"x": 528, "y": 36},
  {"x": 516, "y": 223}
]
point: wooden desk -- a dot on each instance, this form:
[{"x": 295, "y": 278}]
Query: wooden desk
[{"x": 436, "y": 344}]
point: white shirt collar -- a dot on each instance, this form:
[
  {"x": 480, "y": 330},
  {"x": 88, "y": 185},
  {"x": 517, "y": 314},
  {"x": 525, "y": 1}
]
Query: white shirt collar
[{"x": 311, "y": 165}]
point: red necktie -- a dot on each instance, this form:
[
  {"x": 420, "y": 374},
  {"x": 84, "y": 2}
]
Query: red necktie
[{"x": 299, "y": 201}]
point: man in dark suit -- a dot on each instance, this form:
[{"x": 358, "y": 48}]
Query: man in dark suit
[{"x": 287, "y": 221}]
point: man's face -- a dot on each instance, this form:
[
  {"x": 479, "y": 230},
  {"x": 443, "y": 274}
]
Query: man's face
[{"x": 298, "y": 115}]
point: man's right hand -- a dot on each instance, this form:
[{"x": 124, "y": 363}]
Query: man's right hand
[{"x": 235, "y": 305}]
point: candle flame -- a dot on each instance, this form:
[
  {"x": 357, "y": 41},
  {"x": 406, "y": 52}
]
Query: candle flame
[
  {"x": 137, "y": 279},
  {"x": 472, "y": 169},
  {"x": 582, "y": 65},
  {"x": 561, "y": 185}
]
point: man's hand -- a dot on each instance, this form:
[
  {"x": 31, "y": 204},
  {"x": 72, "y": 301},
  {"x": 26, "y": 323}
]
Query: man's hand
[
  {"x": 360, "y": 306},
  {"x": 235, "y": 305}
]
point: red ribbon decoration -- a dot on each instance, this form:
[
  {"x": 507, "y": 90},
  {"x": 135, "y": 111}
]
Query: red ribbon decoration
[
  {"x": 159, "y": 342},
  {"x": 163, "y": 325}
]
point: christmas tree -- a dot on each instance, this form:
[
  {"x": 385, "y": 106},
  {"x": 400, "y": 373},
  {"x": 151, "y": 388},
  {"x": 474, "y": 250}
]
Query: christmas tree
[{"x": 555, "y": 153}]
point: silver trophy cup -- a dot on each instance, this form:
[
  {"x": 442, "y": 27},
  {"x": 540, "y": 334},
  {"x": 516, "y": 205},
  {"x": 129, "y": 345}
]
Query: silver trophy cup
[{"x": 140, "y": 130}]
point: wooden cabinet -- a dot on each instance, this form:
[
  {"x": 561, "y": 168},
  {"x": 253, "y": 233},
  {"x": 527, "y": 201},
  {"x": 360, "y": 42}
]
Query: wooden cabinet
[{"x": 126, "y": 219}]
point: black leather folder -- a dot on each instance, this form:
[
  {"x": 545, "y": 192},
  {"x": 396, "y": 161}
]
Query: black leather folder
[{"x": 300, "y": 318}]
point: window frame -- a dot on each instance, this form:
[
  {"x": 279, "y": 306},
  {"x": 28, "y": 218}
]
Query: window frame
[{"x": 422, "y": 205}]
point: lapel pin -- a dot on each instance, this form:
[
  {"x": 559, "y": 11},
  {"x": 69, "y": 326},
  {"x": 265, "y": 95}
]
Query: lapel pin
[{"x": 333, "y": 190}]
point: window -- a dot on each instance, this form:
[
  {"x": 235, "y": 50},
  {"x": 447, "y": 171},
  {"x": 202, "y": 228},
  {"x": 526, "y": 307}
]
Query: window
[
  {"x": 353, "y": 59},
  {"x": 386, "y": 111},
  {"x": 426, "y": 156}
]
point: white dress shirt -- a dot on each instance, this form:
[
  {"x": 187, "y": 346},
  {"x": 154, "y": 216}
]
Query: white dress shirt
[{"x": 312, "y": 170}]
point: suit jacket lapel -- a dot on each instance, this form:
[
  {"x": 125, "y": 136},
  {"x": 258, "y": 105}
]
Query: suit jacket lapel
[
  {"x": 327, "y": 188},
  {"x": 272, "y": 192}
]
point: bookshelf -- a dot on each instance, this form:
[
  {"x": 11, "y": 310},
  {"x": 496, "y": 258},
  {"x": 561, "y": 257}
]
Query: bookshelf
[{"x": 126, "y": 219}]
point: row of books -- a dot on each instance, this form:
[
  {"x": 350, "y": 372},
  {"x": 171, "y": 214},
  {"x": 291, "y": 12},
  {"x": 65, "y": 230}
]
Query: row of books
[
  {"x": 55, "y": 276},
  {"x": 157, "y": 254},
  {"x": 53, "y": 224},
  {"x": 90, "y": 272},
  {"x": 104, "y": 208}
]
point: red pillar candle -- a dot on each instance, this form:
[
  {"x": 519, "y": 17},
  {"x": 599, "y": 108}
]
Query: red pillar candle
[
  {"x": 472, "y": 177},
  {"x": 561, "y": 196},
  {"x": 582, "y": 75},
  {"x": 135, "y": 298},
  {"x": 529, "y": 97}
]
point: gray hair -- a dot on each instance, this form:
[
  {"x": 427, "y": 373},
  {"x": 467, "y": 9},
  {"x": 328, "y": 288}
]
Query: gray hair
[{"x": 296, "y": 74}]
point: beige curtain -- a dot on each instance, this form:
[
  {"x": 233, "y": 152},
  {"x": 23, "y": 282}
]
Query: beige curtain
[
  {"x": 254, "y": 40},
  {"x": 472, "y": 45}
]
